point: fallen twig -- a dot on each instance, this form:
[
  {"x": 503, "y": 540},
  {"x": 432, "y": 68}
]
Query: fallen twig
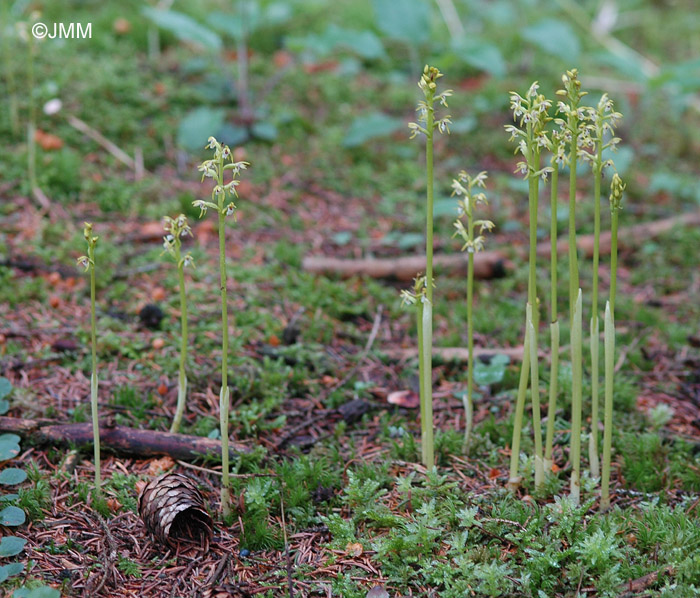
[
  {"x": 487, "y": 264},
  {"x": 119, "y": 439}
]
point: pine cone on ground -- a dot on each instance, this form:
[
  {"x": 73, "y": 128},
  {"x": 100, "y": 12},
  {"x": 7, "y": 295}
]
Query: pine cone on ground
[{"x": 172, "y": 508}]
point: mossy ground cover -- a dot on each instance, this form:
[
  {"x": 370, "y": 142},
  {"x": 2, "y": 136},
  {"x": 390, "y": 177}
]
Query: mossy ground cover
[{"x": 309, "y": 394}]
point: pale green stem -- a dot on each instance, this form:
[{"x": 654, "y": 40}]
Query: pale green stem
[
  {"x": 13, "y": 104},
  {"x": 553, "y": 389},
  {"x": 607, "y": 432},
  {"x": 182, "y": 377},
  {"x": 426, "y": 322},
  {"x": 93, "y": 377},
  {"x": 469, "y": 405},
  {"x": 535, "y": 392},
  {"x": 31, "y": 125},
  {"x": 421, "y": 378},
  {"x": 576, "y": 367},
  {"x": 514, "y": 478},
  {"x": 573, "y": 258},
  {"x": 553, "y": 326},
  {"x": 613, "y": 260},
  {"x": 224, "y": 403},
  {"x": 595, "y": 339},
  {"x": 427, "y": 445}
]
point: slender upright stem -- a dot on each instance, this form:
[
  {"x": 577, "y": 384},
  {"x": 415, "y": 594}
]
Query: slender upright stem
[
  {"x": 595, "y": 342},
  {"x": 429, "y": 206},
  {"x": 427, "y": 408},
  {"x": 31, "y": 125},
  {"x": 514, "y": 478},
  {"x": 573, "y": 258},
  {"x": 13, "y": 104},
  {"x": 224, "y": 403},
  {"x": 613, "y": 260},
  {"x": 553, "y": 325},
  {"x": 469, "y": 407},
  {"x": 426, "y": 312},
  {"x": 182, "y": 376},
  {"x": 93, "y": 377},
  {"x": 609, "y": 381},
  {"x": 577, "y": 374},
  {"x": 535, "y": 393}
]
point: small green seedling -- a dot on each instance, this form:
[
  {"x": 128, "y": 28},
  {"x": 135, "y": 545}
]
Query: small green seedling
[
  {"x": 221, "y": 201},
  {"x": 426, "y": 125},
  {"x": 88, "y": 263},
  {"x": 176, "y": 229},
  {"x": 464, "y": 187}
]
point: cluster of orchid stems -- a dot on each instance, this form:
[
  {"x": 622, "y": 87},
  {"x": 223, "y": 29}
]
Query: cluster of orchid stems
[
  {"x": 580, "y": 134},
  {"x": 87, "y": 262},
  {"x": 222, "y": 202},
  {"x": 422, "y": 294},
  {"x": 465, "y": 187},
  {"x": 176, "y": 228}
]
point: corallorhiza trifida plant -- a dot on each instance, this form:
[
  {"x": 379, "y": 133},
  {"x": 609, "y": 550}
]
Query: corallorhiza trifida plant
[
  {"x": 176, "y": 228},
  {"x": 222, "y": 201},
  {"x": 88, "y": 263},
  {"x": 616, "y": 190},
  {"x": 531, "y": 114},
  {"x": 464, "y": 186},
  {"x": 602, "y": 121},
  {"x": 427, "y": 124},
  {"x": 573, "y": 124}
]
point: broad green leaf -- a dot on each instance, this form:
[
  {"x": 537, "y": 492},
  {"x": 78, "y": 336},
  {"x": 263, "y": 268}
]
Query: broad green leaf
[
  {"x": 8, "y": 497},
  {"x": 232, "y": 134},
  {"x": 264, "y": 130},
  {"x": 407, "y": 20},
  {"x": 371, "y": 126},
  {"x": 481, "y": 55},
  {"x": 363, "y": 43},
  {"x": 486, "y": 374},
  {"x": 409, "y": 240},
  {"x": 12, "y": 475},
  {"x": 10, "y": 570},
  {"x": 4, "y": 406},
  {"x": 12, "y": 516},
  {"x": 10, "y": 438},
  {"x": 41, "y": 592},
  {"x": 11, "y": 545},
  {"x": 5, "y": 387},
  {"x": 183, "y": 27},
  {"x": 9, "y": 449},
  {"x": 197, "y": 126},
  {"x": 555, "y": 37}
]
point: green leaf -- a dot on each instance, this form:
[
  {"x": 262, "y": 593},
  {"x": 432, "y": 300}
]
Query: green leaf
[
  {"x": 492, "y": 372},
  {"x": 481, "y": 55},
  {"x": 9, "y": 449},
  {"x": 342, "y": 237},
  {"x": 4, "y": 406},
  {"x": 264, "y": 130},
  {"x": 371, "y": 126},
  {"x": 12, "y": 475},
  {"x": 407, "y": 20},
  {"x": 12, "y": 516},
  {"x": 10, "y": 438},
  {"x": 10, "y": 570},
  {"x": 232, "y": 134},
  {"x": 183, "y": 27},
  {"x": 556, "y": 37},
  {"x": 197, "y": 126},
  {"x": 11, "y": 545},
  {"x": 8, "y": 497},
  {"x": 363, "y": 43},
  {"x": 41, "y": 592},
  {"x": 5, "y": 387}
]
